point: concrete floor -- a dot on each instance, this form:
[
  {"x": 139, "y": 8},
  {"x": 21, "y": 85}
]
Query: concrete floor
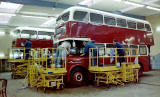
[{"x": 149, "y": 86}]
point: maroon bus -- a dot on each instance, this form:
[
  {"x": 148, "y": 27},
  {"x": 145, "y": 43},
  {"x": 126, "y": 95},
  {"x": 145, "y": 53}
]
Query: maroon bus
[
  {"x": 40, "y": 38},
  {"x": 78, "y": 24}
]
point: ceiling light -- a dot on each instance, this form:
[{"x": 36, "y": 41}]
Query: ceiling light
[
  {"x": 27, "y": 16},
  {"x": 7, "y": 14},
  {"x": 4, "y": 19},
  {"x": 7, "y": 5},
  {"x": 135, "y": 4},
  {"x": 158, "y": 29},
  {"x": 118, "y": 0},
  {"x": 86, "y": 2},
  {"x": 1, "y": 55},
  {"x": 2, "y": 33},
  {"x": 153, "y": 8}
]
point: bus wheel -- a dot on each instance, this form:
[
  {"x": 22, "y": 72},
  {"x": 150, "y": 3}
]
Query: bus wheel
[{"x": 77, "y": 77}]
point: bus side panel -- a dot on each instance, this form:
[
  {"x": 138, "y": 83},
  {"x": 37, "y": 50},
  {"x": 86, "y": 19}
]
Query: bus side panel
[
  {"x": 144, "y": 60},
  {"x": 35, "y": 43},
  {"x": 105, "y": 33}
]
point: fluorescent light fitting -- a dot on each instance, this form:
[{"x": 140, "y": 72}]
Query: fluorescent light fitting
[
  {"x": 118, "y": 0},
  {"x": 86, "y": 2},
  {"x": 1, "y": 55},
  {"x": 8, "y": 5},
  {"x": 135, "y": 4},
  {"x": 153, "y": 8},
  {"x": 2, "y": 33},
  {"x": 158, "y": 29},
  {"x": 28, "y": 16},
  {"x": 7, "y": 14}
]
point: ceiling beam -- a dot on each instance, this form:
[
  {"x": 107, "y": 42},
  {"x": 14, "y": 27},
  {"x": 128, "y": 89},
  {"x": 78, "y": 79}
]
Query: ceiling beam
[
  {"x": 146, "y": 2},
  {"x": 40, "y": 3}
]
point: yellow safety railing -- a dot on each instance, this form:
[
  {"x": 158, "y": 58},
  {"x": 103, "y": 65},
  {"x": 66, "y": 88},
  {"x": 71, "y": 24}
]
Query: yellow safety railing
[
  {"x": 48, "y": 56},
  {"x": 18, "y": 60},
  {"x": 107, "y": 73},
  {"x": 42, "y": 70},
  {"x": 19, "y": 54},
  {"x": 95, "y": 56}
]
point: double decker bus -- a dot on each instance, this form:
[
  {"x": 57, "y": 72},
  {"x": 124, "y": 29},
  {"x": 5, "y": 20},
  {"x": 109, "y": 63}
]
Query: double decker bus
[
  {"x": 40, "y": 38},
  {"x": 78, "y": 24}
]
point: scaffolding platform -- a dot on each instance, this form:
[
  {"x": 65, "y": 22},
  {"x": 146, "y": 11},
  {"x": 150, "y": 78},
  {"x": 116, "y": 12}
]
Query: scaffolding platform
[
  {"x": 113, "y": 73},
  {"x": 40, "y": 75}
]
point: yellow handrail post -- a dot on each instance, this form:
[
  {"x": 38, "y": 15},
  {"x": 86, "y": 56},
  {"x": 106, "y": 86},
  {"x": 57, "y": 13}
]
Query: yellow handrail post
[
  {"x": 103, "y": 55},
  {"x": 24, "y": 53},
  {"x": 115, "y": 55},
  {"x": 89, "y": 58},
  {"x": 97, "y": 57},
  {"x": 65, "y": 58}
]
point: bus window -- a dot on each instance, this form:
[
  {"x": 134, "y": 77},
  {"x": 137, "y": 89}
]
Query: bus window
[
  {"x": 110, "y": 46},
  {"x": 65, "y": 16},
  {"x": 28, "y": 34},
  {"x": 109, "y": 20},
  {"x": 17, "y": 33},
  {"x": 101, "y": 49},
  {"x": 96, "y": 18},
  {"x": 133, "y": 47},
  {"x": 58, "y": 19},
  {"x": 142, "y": 50},
  {"x": 121, "y": 22},
  {"x": 148, "y": 28},
  {"x": 140, "y": 26},
  {"x": 81, "y": 16},
  {"x": 131, "y": 24},
  {"x": 45, "y": 35},
  {"x": 99, "y": 45}
]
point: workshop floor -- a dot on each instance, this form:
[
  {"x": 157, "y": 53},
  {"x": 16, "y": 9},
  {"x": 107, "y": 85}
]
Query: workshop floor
[{"x": 149, "y": 86}]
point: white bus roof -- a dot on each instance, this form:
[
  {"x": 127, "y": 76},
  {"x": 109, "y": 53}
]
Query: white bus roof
[
  {"x": 36, "y": 29},
  {"x": 78, "y": 8}
]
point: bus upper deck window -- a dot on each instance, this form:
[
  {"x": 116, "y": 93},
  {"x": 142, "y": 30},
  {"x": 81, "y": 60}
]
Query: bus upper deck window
[
  {"x": 28, "y": 34},
  {"x": 17, "y": 33},
  {"x": 140, "y": 26},
  {"x": 81, "y": 16},
  {"x": 96, "y": 18},
  {"x": 58, "y": 19},
  {"x": 121, "y": 22},
  {"x": 131, "y": 24},
  {"x": 109, "y": 20},
  {"x": 65, "y": 17},
  {"x": 147, "y": 26},
  {"x": 44, "y": 35}
]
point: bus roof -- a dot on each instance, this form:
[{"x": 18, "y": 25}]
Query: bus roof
[
  {"x": 78, "y": 8},
  {"x": 34, "y": 29}
]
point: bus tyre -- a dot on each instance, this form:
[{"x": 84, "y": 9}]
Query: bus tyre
[{"x": 77, "y": 77}]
